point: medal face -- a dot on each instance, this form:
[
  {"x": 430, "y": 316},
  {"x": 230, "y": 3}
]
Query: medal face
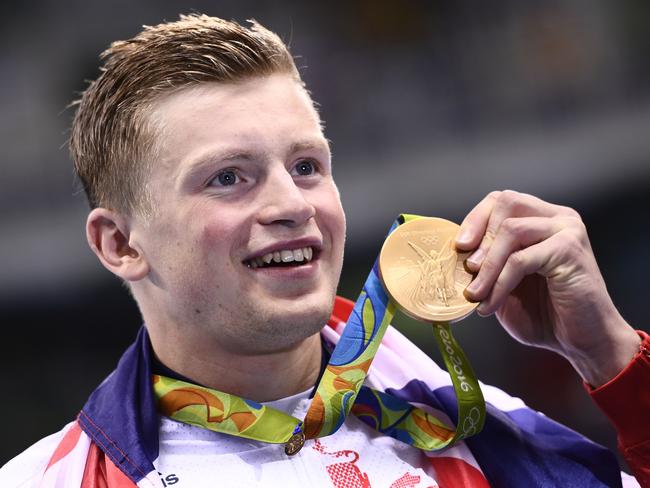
[
  {"x": 423, "y": 273},
  {"x": 294, "y": 444}
]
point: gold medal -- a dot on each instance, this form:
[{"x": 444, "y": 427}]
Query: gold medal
[{"x": 423, "y": 273}]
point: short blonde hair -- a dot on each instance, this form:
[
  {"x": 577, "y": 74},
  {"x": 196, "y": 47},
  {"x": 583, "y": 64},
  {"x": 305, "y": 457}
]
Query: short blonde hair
[{"x": 112, "y": 141}]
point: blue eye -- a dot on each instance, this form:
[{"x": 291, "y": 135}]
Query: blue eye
[
  {"x": 304, "y": 168},
  {"x": 227, "y": 177}
]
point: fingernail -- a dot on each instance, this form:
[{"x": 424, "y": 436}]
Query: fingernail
[
  {"x": 463, "y": 237},
  {"x": 476, "y": 258},
  {"x": 481, "y": 310},
  {"x": 473, "y": 287}
]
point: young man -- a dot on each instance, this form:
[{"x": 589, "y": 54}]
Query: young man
[{"x": 212, "y": 197}]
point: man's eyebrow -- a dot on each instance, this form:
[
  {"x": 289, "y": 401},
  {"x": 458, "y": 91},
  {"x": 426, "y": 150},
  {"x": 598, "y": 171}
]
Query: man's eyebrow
[
  {"x": 321, "y": 145},
  {"x": 206, "y": 160}
]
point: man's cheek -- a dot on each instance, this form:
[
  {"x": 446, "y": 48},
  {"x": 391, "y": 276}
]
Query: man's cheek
[{"x": 221, "y": 234}]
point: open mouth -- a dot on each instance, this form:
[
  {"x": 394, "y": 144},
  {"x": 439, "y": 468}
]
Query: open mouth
[{"x": 283, "y": 258}]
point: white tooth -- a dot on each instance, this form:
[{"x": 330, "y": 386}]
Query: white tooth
[
  {"x": 298, "y": 255},
  {"x": 259, "y": 261},
  {"x": 267, "y": 258},
  {"x": 287, "y": 256},
  {"x": 276, "y": 256},
  {"x": 307, "y": 251}
]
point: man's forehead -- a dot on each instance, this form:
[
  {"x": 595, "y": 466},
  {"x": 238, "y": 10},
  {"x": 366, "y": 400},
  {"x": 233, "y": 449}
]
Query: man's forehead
[
  {"x": 255, "y": 102},
  {"x": 220, "y": 121}
]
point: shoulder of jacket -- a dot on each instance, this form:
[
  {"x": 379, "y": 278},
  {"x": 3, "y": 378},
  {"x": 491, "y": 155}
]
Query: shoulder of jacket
[{"x": 27, "y": 467}]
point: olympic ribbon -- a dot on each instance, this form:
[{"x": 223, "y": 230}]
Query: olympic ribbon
[
  {"x": 351, "y": 359},
  {"x": 222, "y": 412},
  {"x": 340, "y": 390}
]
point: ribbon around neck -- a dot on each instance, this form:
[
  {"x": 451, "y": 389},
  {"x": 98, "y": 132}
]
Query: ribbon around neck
[{"x": 340, "y": 390}]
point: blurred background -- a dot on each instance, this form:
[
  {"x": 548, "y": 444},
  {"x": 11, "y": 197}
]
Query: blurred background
[{"x": 430, "y": 105}]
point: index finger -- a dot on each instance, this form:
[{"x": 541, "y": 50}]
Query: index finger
[{"x": 475, "y": 223}]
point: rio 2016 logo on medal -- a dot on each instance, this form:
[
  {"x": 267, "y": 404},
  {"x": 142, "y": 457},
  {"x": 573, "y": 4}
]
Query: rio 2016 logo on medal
[{"x": 423, "y": 273}]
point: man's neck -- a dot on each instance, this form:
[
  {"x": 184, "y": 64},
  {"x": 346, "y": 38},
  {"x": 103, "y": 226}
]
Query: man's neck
[{"x": 258, "y": 377}]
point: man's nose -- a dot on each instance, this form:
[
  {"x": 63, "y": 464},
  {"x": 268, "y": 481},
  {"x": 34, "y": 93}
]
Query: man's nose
[{"x": 284, "y": 202}]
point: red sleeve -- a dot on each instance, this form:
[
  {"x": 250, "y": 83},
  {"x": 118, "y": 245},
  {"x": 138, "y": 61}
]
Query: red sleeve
[
  {"x": 626, "y": 401},
  {"x": 342, "y": 310}
]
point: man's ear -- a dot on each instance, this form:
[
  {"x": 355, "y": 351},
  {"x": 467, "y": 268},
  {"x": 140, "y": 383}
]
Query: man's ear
[{"x": 108, "y": 235}]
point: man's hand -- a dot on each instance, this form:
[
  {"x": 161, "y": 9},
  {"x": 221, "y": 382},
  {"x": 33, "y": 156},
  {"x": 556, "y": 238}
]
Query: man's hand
[{"x": 537, "y": 272}]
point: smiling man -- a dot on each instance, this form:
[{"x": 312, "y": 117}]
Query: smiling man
[
  {"x": 211, "y": 192},
  {"x": 238, "y": 263}
]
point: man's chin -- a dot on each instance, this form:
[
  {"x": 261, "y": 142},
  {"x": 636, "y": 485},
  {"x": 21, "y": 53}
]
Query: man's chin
[
  {"x": 286, "y": 327},
  {"x": 317, "y": 304},
  {"x": 310, "y": 319}
]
